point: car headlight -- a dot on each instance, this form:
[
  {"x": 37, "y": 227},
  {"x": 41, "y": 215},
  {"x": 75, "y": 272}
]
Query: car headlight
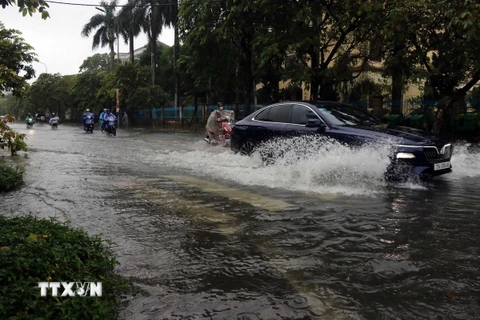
[{"x": 405, "y": 155}]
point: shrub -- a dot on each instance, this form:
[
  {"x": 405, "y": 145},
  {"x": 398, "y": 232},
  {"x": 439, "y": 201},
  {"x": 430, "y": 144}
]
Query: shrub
[
  {"x": 37, "y": 250},
  {"x": 10, "y": 177},
  {"x": 11, "y": 139}
]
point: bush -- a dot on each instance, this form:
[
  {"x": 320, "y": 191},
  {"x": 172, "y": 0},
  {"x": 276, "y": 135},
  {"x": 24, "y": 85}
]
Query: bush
[
  {"x": 10, "y": 177},
  {"x": 11, "y": 139},
  {"x": 37, "y": 250}
]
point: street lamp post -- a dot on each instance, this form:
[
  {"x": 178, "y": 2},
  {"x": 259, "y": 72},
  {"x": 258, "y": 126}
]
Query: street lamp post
[{"x": 46, "y": 69}]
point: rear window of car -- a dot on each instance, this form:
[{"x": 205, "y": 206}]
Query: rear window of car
[
  {"x": 263, "y": 115},
  {"x": 279, "y": 113}
]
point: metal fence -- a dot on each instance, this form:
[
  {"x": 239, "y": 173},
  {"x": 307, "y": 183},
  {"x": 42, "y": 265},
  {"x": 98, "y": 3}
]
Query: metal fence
[{"x": 188, "y": 112}]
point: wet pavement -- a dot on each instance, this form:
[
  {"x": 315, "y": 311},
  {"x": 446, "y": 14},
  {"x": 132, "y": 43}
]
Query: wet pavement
[{"x": 207, "y": 234}]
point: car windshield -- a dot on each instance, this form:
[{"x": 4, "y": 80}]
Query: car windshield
[{"x": 345, "y": 115}]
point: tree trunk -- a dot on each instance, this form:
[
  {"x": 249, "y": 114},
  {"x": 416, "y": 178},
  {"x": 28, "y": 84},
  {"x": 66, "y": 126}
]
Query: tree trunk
[
  {"x": 397, "y": 76},
  {"x": 175, "y": 51},
  {"x": 314, "y": 81},
  {"x": 152, "y": 59},
  {"x": 248, "y": 67},
  {"x": 131, "y": 45},
  {"x": 447, "y": 103}
]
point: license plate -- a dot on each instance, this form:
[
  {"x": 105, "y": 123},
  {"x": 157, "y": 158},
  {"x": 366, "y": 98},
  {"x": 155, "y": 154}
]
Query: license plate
[{"x": 441, "y": 166}]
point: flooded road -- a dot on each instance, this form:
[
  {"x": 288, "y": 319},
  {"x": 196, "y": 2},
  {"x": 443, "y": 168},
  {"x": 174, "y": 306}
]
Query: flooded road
[{"x": 207, "y": 234}]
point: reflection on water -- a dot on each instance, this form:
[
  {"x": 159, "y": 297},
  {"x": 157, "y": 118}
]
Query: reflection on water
[{"x": 355, "y": 247}]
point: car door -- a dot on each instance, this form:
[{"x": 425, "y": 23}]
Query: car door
[{"x": 270, "y": 122}]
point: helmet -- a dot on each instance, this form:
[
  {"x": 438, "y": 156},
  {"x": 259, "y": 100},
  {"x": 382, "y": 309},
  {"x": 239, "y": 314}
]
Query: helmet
[
  {"x": 29, "y": 114},
  {"x": 88, "y": 110},
  {"x": 53, "y": 114},
  {"x": 104, "y": 110}
]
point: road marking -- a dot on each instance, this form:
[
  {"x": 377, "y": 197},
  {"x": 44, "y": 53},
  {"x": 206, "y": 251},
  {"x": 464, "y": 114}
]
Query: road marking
[
  {"x": 228, "y": 225},
  {"x": 225, "y": 223},
  {"x": 256, "y": 200}
]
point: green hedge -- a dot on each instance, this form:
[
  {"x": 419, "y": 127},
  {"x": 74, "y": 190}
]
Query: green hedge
[
  {"x": 10, "y": 177},
  {"x": 37, "y": 250}
]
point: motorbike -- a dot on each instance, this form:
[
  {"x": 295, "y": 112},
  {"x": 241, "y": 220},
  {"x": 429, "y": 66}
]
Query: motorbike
[
  {"x": 89, "y": 124},
  {"x": 219, "y": 129},
  {"x": 54, "y": 122},
  {"x": 40, "y": 119},
  {"x": 29, "y": 122},
  {"x": 110, "y": 127}
]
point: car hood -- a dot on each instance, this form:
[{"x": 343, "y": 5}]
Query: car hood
[{"x": 399, "y": 134}]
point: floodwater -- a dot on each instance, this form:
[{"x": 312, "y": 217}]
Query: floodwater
[{"x": 207, "y": 234}]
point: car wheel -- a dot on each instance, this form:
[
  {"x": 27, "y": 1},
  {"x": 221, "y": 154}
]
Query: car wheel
[{"x": 247, "y": 148}]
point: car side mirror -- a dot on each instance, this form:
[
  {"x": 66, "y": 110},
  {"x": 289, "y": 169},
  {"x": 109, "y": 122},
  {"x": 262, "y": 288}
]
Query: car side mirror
[{"x": 316, "y": 123}]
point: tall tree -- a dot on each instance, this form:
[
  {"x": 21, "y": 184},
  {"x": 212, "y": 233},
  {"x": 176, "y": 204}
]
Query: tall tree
[
  {"x": 152, "y": 18},
  {"x": 209, "y": 56},
  {"x": 58, "y": 98},
  {"x": 106, "y": 27},
  {"x": 332, "y": 31},
  {"x": 16, "y": 57},
  {"x": 441, "y": 47},
  {"x": 97, "y": 62},
  {"x": 130, "y": 21}
]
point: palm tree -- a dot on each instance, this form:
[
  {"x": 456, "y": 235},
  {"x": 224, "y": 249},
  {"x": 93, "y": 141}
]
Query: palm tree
[
  {"x": 129, "y": 21},
  {"x": 106, "y": 26},
  {"x": 152, "y": 16},
  {"x": 171, "y": 19}
]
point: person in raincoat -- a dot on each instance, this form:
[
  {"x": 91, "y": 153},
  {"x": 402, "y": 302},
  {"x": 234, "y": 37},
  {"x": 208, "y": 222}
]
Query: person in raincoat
[
  {"x": 212, "y": 121},
  {"x": 101, "y": 117},
  {"x": 29, "y": 117}
]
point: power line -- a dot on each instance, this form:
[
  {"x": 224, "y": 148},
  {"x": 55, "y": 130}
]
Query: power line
[{"x": 124, "y": 5}]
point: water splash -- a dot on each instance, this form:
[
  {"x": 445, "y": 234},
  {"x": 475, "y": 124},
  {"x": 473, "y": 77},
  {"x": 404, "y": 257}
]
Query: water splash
[
  {"x": 316, "y": 165},
  {"x": 466, "y": 160},
  {"x": 312, "y": 165}
]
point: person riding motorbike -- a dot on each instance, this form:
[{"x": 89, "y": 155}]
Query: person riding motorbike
[
  {"x": 109, "y": 117},
  {"x": 101, "y": 117},
  {"x": 213, "y": 119},
  {"x": 29, "y": 118},
  {"x": 86, "y": 116},
  {"x": 219, "y": 126},
  {"x": 53, "y": 119}
]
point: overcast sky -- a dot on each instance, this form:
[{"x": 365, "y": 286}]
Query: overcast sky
[{"x": 57, "y": 41}]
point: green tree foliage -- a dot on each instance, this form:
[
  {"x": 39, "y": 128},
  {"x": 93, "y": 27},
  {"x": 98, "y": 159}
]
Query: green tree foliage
[
  {"x": 52, "y": 92},
  {"x": 11, "y": 139},
  {"x": 16, "y": 58},
  {"x": 97, "y": 62},
  {"x": 249, "y": 40},
  {"x": 164, "y": 66},
  {"x": 28, "y": 6},
  {"x": 440, "y": 41},
  {"x": 85, "y": 91},
  {"x": 214, "y": 57},
  {"x": 327, "y": 38},
  {"x": 136, "y": 91},
  {"x": 16, "y": 106}
]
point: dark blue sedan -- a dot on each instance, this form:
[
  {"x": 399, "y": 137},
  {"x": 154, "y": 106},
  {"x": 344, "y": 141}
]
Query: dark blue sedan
[{"x": 413, "y": 151}]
